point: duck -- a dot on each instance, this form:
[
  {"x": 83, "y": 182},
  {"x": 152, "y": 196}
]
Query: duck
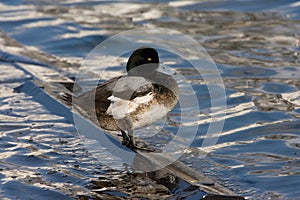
[{"x": 138, "y": 99}]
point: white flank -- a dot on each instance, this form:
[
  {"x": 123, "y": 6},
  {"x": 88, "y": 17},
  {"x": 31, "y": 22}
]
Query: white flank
[
  {"x": 120, "y": 108},
  {"x": 143, "y": 99},
  {"x": 156, "y": 112}
]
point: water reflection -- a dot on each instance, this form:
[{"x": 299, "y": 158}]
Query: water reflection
[{"x": 255, "y": 45}]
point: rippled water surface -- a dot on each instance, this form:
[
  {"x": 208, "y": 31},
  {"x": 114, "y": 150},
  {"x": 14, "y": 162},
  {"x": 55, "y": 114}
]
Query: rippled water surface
[{"x": 255, "y": 45}]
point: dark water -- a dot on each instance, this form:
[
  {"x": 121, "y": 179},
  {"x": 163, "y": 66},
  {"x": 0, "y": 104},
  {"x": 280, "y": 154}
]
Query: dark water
[{"x": 255, "y": 45}]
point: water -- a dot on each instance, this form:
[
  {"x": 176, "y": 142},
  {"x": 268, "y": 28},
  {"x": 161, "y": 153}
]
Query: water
[{"x": 255, "y": 45}]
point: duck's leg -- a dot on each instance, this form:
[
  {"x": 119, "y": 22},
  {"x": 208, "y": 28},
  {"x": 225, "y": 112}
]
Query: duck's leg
[
  {"x": 128, "y": 139},
  {"x": 125, "y": 137}
]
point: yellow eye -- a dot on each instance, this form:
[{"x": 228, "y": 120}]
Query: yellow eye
[{"x": 149, "y": 59}]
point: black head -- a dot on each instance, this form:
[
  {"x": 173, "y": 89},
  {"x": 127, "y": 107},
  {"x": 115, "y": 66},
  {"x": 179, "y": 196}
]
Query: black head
[{"x": 143, "y": 60}]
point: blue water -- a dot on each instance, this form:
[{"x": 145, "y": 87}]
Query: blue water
[{"x": 255, "y": 45}]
